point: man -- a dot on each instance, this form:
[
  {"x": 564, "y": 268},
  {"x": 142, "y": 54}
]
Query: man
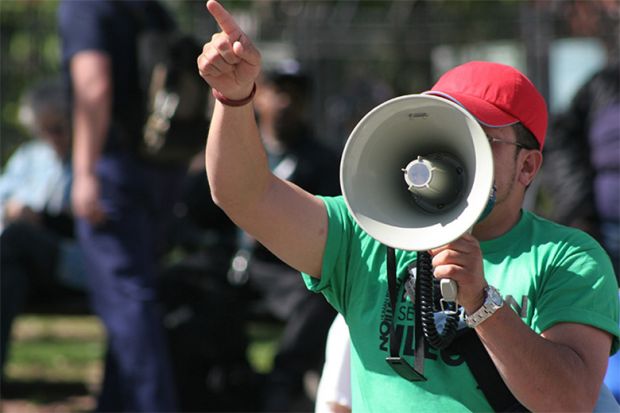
[
  {"x": 297, "y": 156},
  {"x": 552, "y": 359},
  {"x": 122, "y": 203},
  {"x": 37, "y": 248}
]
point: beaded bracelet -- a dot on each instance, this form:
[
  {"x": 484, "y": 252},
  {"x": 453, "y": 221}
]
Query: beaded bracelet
[{"x": 235, "y": 103}]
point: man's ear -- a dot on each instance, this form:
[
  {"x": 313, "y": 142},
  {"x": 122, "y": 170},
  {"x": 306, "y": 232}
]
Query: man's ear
[{"x": 530, "y": 165}]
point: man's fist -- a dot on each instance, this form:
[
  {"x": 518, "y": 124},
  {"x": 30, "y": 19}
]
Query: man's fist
[
  {"x": 229, "y": 62},
  {"x": 461, "y": 261}
]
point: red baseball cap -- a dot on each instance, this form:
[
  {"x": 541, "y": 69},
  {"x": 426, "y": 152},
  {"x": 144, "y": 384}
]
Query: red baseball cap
[{"x": 496, "y": 94}]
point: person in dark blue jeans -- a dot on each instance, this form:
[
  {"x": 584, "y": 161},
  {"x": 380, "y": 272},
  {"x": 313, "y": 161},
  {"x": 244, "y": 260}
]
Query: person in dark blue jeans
[{"x": 122, "y": 203}]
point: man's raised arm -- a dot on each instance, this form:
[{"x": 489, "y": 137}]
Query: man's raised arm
[{"x": 286, "y": 219}]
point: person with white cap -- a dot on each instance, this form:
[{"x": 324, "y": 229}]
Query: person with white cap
[{"x": 550, "y": 331}]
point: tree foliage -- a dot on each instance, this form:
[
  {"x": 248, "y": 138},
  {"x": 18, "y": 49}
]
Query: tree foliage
[{"x": 29, "y": 52}]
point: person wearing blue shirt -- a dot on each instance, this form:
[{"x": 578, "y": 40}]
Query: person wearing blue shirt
[{"x": 36, "y": 228}]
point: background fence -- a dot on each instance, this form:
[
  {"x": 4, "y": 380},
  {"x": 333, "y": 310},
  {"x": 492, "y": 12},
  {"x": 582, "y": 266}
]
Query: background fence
[{"x": 358, "y": 52}]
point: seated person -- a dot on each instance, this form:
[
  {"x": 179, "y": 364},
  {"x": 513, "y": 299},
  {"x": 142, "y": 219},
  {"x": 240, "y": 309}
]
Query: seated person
[{"x": 36, "y": 244}]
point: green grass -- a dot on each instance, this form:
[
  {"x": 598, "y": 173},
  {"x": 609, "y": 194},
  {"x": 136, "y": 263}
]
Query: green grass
[
  {"x": 54, "y": 364},
  {"x": 56, "y": 349},
  {"x": 55, "y": 360},
  {"x": 51, "y": 356}
]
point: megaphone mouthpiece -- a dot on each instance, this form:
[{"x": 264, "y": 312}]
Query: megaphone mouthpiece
[
  {"x": 436, "y": 181},
  {"x": 418, "y": 173}
]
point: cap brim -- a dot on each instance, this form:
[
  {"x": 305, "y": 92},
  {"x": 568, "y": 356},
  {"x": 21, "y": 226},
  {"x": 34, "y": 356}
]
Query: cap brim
[{"x": 486, "y": 113}]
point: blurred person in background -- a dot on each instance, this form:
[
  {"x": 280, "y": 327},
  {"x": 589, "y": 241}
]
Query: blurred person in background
[
  {"x": 295, "y": 154},
  {"x": 37, "y": 248},
  {"x": 334, "y": 391},
  {"x": 26, "y": 190},
  {"x": 582, "y": 171},
  {"x": 122, "y": 203}
]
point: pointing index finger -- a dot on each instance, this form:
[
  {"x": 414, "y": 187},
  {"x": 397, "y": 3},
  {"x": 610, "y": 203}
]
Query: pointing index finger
[{"x": 224, "y": 19}]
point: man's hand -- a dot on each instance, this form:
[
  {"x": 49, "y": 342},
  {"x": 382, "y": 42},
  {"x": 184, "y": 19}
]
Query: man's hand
[
  {"x": 16, "y": 211},
  {"x": 461, "y": 261},
  {"x": 85, "y": 199},
  {"x": 229, "y": 62}
]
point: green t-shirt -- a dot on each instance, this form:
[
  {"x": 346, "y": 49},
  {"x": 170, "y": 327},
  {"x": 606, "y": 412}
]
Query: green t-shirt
[{"x": 548, "y": 273}]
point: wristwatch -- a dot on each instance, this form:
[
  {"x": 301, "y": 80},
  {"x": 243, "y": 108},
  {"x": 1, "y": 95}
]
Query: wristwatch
[{"x": 493, "y": 301}]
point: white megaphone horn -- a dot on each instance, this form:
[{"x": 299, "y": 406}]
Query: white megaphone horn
[{"x": 417, "y": 172}]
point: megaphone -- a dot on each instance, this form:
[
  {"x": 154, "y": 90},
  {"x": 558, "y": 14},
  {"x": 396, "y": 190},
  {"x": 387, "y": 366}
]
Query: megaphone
[{"x": 416, "y": 172}]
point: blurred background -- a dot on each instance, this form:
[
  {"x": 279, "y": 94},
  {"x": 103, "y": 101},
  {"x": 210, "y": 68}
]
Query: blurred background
[{"x": 358, "y": 54}]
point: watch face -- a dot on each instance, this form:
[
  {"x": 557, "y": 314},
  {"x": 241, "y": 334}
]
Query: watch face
[{"x": 495, "y": 296}]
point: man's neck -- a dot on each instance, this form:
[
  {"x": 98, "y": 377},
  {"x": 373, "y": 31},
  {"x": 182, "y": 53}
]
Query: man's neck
[{"x": 497, "y": 224}]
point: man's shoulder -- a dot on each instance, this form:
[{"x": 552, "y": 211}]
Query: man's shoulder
[
  {"x": 80, "y": 20},
  {"x": 336, "y": 207},
  {"x": 547, "y": 228},
  {"x": 70, "y": 8},
  {"x": 568, "y": 245}
]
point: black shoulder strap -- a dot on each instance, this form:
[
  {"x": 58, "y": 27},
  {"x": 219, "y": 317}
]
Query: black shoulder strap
[
  {"x": 484, "y": 371},
  {"x": 400, "y": 365}
]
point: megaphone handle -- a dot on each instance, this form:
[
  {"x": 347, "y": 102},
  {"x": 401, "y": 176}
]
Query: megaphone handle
[{"x": 449, "y": 289}]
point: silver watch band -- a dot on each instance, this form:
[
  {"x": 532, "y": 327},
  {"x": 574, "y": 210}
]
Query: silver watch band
[
  {"x": 479, "y": 316},
  {"x": 492, "y": 302}
]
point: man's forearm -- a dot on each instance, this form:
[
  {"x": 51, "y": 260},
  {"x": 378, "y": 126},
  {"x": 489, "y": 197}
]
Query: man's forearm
[
  {"x": 236, "y": 162},
  {"x": 92, "y": 88},
  {"x": 543, "y": 374},
  {"x": 90, "y": 130}
]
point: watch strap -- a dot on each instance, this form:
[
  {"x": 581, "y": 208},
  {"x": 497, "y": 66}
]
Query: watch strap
[{"x": 487, "y": 309}]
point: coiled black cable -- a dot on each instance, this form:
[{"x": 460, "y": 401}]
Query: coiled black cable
[{"x": 427, "y": 298}]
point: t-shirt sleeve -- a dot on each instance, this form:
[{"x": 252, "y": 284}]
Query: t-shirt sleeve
[
  {"x": 82, "y": 26},
  {"x": 336, "y": 256},
  {"x": 581, "y": 288}
]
